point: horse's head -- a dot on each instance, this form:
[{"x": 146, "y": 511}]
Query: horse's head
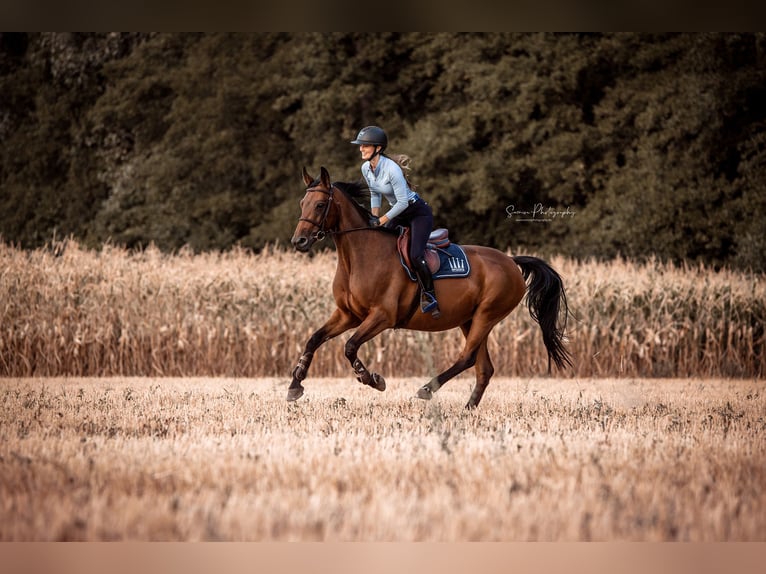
[{"x": 319, "y": 215}]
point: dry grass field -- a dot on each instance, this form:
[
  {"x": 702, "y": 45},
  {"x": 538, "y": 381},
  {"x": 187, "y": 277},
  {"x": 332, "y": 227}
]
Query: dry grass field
[
  {"x": 143, "y": 398},
  {"x": 228, "y": 459}
]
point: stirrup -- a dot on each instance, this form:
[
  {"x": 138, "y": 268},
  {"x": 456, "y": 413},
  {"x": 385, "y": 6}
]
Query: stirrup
[{"x": 428, "y": 303}]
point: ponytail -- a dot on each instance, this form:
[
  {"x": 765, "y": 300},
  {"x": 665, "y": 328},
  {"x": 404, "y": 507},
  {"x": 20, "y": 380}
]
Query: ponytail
[{"x": 403, "y": 161}]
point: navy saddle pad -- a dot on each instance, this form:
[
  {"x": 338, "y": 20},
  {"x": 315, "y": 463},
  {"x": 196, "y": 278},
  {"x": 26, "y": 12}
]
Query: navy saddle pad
[{"x": 453, "y": 263}]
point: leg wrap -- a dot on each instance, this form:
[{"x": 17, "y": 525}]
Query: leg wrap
[
  {"x": 302, "y": 368},
  {"x": 362, "y": 375}
]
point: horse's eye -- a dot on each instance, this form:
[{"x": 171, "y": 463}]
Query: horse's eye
[{"x": 320, "y": 205}]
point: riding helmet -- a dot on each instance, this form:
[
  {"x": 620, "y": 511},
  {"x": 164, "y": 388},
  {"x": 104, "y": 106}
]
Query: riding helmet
[{"x": 371, "y": 135}]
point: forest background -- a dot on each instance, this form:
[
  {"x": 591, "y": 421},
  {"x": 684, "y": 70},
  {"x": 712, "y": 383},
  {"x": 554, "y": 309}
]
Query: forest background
[{"x": 624, "y": 144}]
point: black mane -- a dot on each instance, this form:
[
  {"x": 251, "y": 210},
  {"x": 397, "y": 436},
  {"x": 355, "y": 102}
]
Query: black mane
[{"x": 358, "y": 193}]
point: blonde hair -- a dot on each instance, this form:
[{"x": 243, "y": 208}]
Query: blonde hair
[{"x": 403, "y": 161}]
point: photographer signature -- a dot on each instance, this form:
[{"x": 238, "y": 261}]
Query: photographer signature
[{"x": 538, "y": 213}]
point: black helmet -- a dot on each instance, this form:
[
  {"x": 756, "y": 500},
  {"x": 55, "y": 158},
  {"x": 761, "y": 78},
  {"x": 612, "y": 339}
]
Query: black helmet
[{"x": 371, "y": 135}]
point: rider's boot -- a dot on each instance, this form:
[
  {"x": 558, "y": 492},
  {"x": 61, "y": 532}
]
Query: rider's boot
[{"x": 428, "y": 302}]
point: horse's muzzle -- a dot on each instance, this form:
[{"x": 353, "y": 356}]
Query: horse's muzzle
[{"x": 301, "y": 243}]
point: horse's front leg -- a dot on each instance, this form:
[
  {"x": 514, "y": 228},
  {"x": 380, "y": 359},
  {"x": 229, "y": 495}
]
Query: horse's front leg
[
  {"x": 476, "y": 332},
  {"x": 366, "y": 377},
  {"x": 372, "y": 326},
  {"x": 338, "y": 323}
]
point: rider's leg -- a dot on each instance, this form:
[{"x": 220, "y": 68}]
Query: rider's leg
[
  {"x": 428, "y": 302},
  {"x": 420, "y": 228}
]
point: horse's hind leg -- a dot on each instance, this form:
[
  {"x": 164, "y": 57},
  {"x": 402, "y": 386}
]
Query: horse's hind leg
[
  {"x": 484, "y": 372},
  {"x": 475, "y": 338}
]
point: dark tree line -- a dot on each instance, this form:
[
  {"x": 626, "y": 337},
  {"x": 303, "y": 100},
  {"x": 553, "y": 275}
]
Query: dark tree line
[{"x": 630, "y": 144}]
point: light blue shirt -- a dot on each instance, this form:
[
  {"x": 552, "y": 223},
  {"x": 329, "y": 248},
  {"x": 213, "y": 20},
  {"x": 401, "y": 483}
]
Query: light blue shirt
[{"x": 388, "y": 181}]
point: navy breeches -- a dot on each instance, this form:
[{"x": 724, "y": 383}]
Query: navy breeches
[{"x": 420, "y": 219}]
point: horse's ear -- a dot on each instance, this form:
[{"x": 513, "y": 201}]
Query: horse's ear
[
  {"x": 307, "y": 179},
  {"x": 325, "y": 178}
]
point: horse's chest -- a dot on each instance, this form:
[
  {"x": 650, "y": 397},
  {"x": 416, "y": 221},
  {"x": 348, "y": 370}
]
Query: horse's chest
[
  {"x": 356, "y": 299},
  {"x": 359, "y": 302}
]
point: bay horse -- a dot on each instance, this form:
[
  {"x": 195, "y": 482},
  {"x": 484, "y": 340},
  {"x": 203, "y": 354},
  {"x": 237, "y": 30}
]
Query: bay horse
[{"x": 373, "y": 292}]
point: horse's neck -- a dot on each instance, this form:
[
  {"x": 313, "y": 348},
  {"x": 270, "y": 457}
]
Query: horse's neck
[
  {"x": 357, "y": 246},
  {"x": 367, "y": 242}
]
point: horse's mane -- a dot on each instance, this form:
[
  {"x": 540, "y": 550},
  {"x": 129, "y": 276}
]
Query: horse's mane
[{"x": 358, "y": 193}]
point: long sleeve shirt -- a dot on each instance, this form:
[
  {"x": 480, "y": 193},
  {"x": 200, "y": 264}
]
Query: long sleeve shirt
[{"x": 387, "y": 180}]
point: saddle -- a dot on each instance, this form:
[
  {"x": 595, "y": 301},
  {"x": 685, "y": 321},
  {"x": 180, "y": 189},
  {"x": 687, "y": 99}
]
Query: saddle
[{"x": 438, "y": 239}]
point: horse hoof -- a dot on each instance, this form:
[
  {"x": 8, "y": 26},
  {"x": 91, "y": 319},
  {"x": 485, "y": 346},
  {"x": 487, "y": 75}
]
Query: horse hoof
[
  {"x": 293, "y": 394},
  {"x": 379, "y": 382},
  {"x": 425, "y": 393}
]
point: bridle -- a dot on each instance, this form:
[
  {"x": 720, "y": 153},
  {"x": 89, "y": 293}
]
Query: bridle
[{"x": 321, "y": 231}]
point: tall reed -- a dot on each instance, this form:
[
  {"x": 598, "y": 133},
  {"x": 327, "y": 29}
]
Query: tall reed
[{"x": 66, "y": 310}]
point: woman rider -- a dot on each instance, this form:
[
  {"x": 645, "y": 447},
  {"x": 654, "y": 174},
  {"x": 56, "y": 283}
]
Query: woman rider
[{"x": 385, "y": 178}]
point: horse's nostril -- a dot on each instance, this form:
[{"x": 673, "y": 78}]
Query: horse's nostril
[{"x": 299, "y": 242}]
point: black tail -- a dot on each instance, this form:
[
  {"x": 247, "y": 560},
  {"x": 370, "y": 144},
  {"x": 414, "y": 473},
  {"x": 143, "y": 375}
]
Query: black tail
[{"x": 547, "y": 303}]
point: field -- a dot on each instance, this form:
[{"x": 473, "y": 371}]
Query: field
[
  {"x": 143, "y": 398},
  {"x": 125, "y": 458}
]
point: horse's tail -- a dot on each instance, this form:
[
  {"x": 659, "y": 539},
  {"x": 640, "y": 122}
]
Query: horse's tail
[{"x": 547, "y": 303}]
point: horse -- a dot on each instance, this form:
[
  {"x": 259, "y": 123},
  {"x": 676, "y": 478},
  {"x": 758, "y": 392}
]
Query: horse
[{"x": 373, "y": 292}]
